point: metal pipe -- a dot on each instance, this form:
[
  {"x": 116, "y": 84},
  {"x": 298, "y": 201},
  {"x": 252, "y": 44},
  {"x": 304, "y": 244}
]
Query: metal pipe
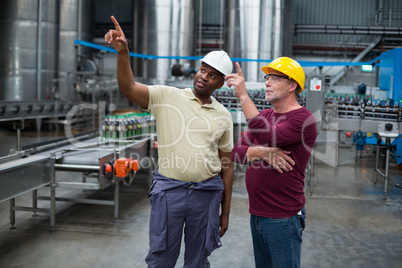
[
  {"x": 79, "y": 24},
  {"x": 39, "y": 51},
  {"x": 116, "y": 199},
  {"x": 79, "y": 185},
  {"x": 221, "y": 25},
  {"x": 34, "y": 201},
  {"x": 93, "y": 103},
  {"x": 80, "y": 200},
  {"x": 388, "y": 145},
  {"x": 277, "y": 34},
  {"x": 377, "y": 158},
  {"x": 380, "y": 8},
  {"x": 200, "y": 28},
  {"x": 347, "y": 29},
  {"x": 45, "y": 210},
  {"x": 52, "y": 198},
  {"x": 12, "y": 213},
  {"x": 70, "y": 167},
  {"x": 18, "y": 139}
]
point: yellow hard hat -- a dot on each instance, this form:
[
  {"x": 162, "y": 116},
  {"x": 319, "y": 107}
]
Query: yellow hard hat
[{"x": 287, "y": 66}]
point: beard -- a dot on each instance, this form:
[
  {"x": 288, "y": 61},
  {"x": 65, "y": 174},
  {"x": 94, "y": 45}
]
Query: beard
[{"x": 274, "y": 96}]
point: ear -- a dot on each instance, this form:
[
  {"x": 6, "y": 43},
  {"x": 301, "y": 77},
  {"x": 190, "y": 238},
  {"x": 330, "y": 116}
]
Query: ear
[
  {"x": 221, "y": 83},
  {"x": 293, "y": 86}
]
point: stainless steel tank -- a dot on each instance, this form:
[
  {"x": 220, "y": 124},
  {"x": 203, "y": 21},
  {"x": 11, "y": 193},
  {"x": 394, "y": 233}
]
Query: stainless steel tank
[
  {"x": 76, "y": 17},
  {"x": 28, "y": 63},
  {"x": 162, "y": 28},
  {"x": 254, "y": 31}
]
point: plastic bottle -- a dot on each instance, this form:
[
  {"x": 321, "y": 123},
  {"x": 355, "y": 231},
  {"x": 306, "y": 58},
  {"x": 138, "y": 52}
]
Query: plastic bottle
[
  {"x": 153, "y": 124},
  {"x": 119, "y": 127},
  {"x": 378, "y": 108},
  {"x": 139, "y": 126},
  {"x": 341, "y": 107},
  {"x": 396, "y": 109},
  {"x": 125, "y": 126},
  {"x": 144, "y": 124},
  {"x": 105, "y": 129},
  {"x": 135, "y": 125},
  {"x": 386, "y": 110},
  {"x": 111, "y": 128},
  {"x": 327, "y": 99},
  {"x": 130, "y": 126},
  {"x": 349, "y": 104},
  {"x": 361, "y": 106},
  {"x": 369, "y": 109}
]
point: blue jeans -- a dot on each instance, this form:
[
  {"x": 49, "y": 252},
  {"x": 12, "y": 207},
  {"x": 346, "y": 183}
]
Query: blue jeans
[{"x": 277, "y": 242}]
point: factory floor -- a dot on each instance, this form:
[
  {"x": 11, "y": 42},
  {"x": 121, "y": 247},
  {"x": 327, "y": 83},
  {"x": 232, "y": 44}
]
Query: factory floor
[{"x": 349, "y": 224}]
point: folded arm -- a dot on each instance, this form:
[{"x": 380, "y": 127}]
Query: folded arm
[{"x": 245, "y": 151}]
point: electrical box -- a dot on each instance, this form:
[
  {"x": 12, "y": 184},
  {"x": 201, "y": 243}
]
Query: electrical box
[
  {"x": 390, "y": 73},
  {"x": 315, "y": 87}
]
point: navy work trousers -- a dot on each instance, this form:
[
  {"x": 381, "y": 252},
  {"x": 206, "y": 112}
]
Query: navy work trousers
[{"x": 193, "y": 208}]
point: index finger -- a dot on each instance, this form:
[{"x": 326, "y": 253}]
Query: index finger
[
  {"x": 116, "y": 24},
  {"x": 238, "y": 68}
]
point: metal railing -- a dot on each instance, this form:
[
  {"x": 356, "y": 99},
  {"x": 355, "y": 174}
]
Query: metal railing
[{"x": 389, "y": 17}]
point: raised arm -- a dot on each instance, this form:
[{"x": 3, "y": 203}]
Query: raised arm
[{"x": 134, "y": 91}]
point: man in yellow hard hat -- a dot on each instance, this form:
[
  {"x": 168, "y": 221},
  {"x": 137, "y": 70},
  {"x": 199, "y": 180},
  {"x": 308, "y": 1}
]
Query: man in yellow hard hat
[
  {"x": 276, "y": 148},
  {"x": 195, "y": 172}
]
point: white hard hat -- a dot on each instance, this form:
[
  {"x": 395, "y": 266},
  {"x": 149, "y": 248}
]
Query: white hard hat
[{"x": 220, "y": 61}]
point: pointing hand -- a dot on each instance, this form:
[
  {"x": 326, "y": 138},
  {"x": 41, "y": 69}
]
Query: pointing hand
[
  {"x": 237, "y": 81},
  {"x": 116, "y": 37}
]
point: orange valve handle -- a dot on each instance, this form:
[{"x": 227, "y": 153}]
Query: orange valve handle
[
  {"x": 123, "y": 166},
  {"x": 108, "y": 168},
  {"x": 135, "y": 164}
]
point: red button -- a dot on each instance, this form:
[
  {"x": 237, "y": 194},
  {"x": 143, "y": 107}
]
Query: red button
[
  {"x": 108, "y": 168},
  {"x": 317, "y": 87}
]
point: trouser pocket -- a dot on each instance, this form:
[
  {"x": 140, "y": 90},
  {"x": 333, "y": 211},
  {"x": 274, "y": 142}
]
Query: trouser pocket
[
  {"x": 158, "y": 223},
  {"x": 301, "y": 216}
]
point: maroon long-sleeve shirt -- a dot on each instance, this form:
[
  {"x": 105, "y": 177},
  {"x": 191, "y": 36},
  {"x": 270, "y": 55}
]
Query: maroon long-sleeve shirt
[{"x": 272, "y": 194}]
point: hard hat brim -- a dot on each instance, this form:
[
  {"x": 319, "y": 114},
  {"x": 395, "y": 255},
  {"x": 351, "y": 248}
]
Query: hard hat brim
[
  {"x": 201, "y": 62},
  {"x": 295, "y": 71}
]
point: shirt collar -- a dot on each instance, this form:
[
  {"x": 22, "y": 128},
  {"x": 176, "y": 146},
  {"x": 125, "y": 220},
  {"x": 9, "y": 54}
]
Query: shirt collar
[{"x": 191, "y": 96}]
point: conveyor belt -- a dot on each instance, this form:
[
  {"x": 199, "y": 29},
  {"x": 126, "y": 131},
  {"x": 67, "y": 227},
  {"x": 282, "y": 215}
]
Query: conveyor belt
[
  {"x": 21, "y": 162},
  {"x": 24, "y": 175},
  {"x": 362, "y": 125},
  {"x": 86, "y": 157}
]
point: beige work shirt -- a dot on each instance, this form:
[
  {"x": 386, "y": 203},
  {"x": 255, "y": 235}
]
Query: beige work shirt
[{"x": 189, "y": 133}]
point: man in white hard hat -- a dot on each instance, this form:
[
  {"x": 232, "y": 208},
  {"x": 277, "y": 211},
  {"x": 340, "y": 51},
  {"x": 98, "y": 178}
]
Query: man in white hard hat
[
  {"x": 195, "y": 174},
  {"x": 275, "y": 176}
]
